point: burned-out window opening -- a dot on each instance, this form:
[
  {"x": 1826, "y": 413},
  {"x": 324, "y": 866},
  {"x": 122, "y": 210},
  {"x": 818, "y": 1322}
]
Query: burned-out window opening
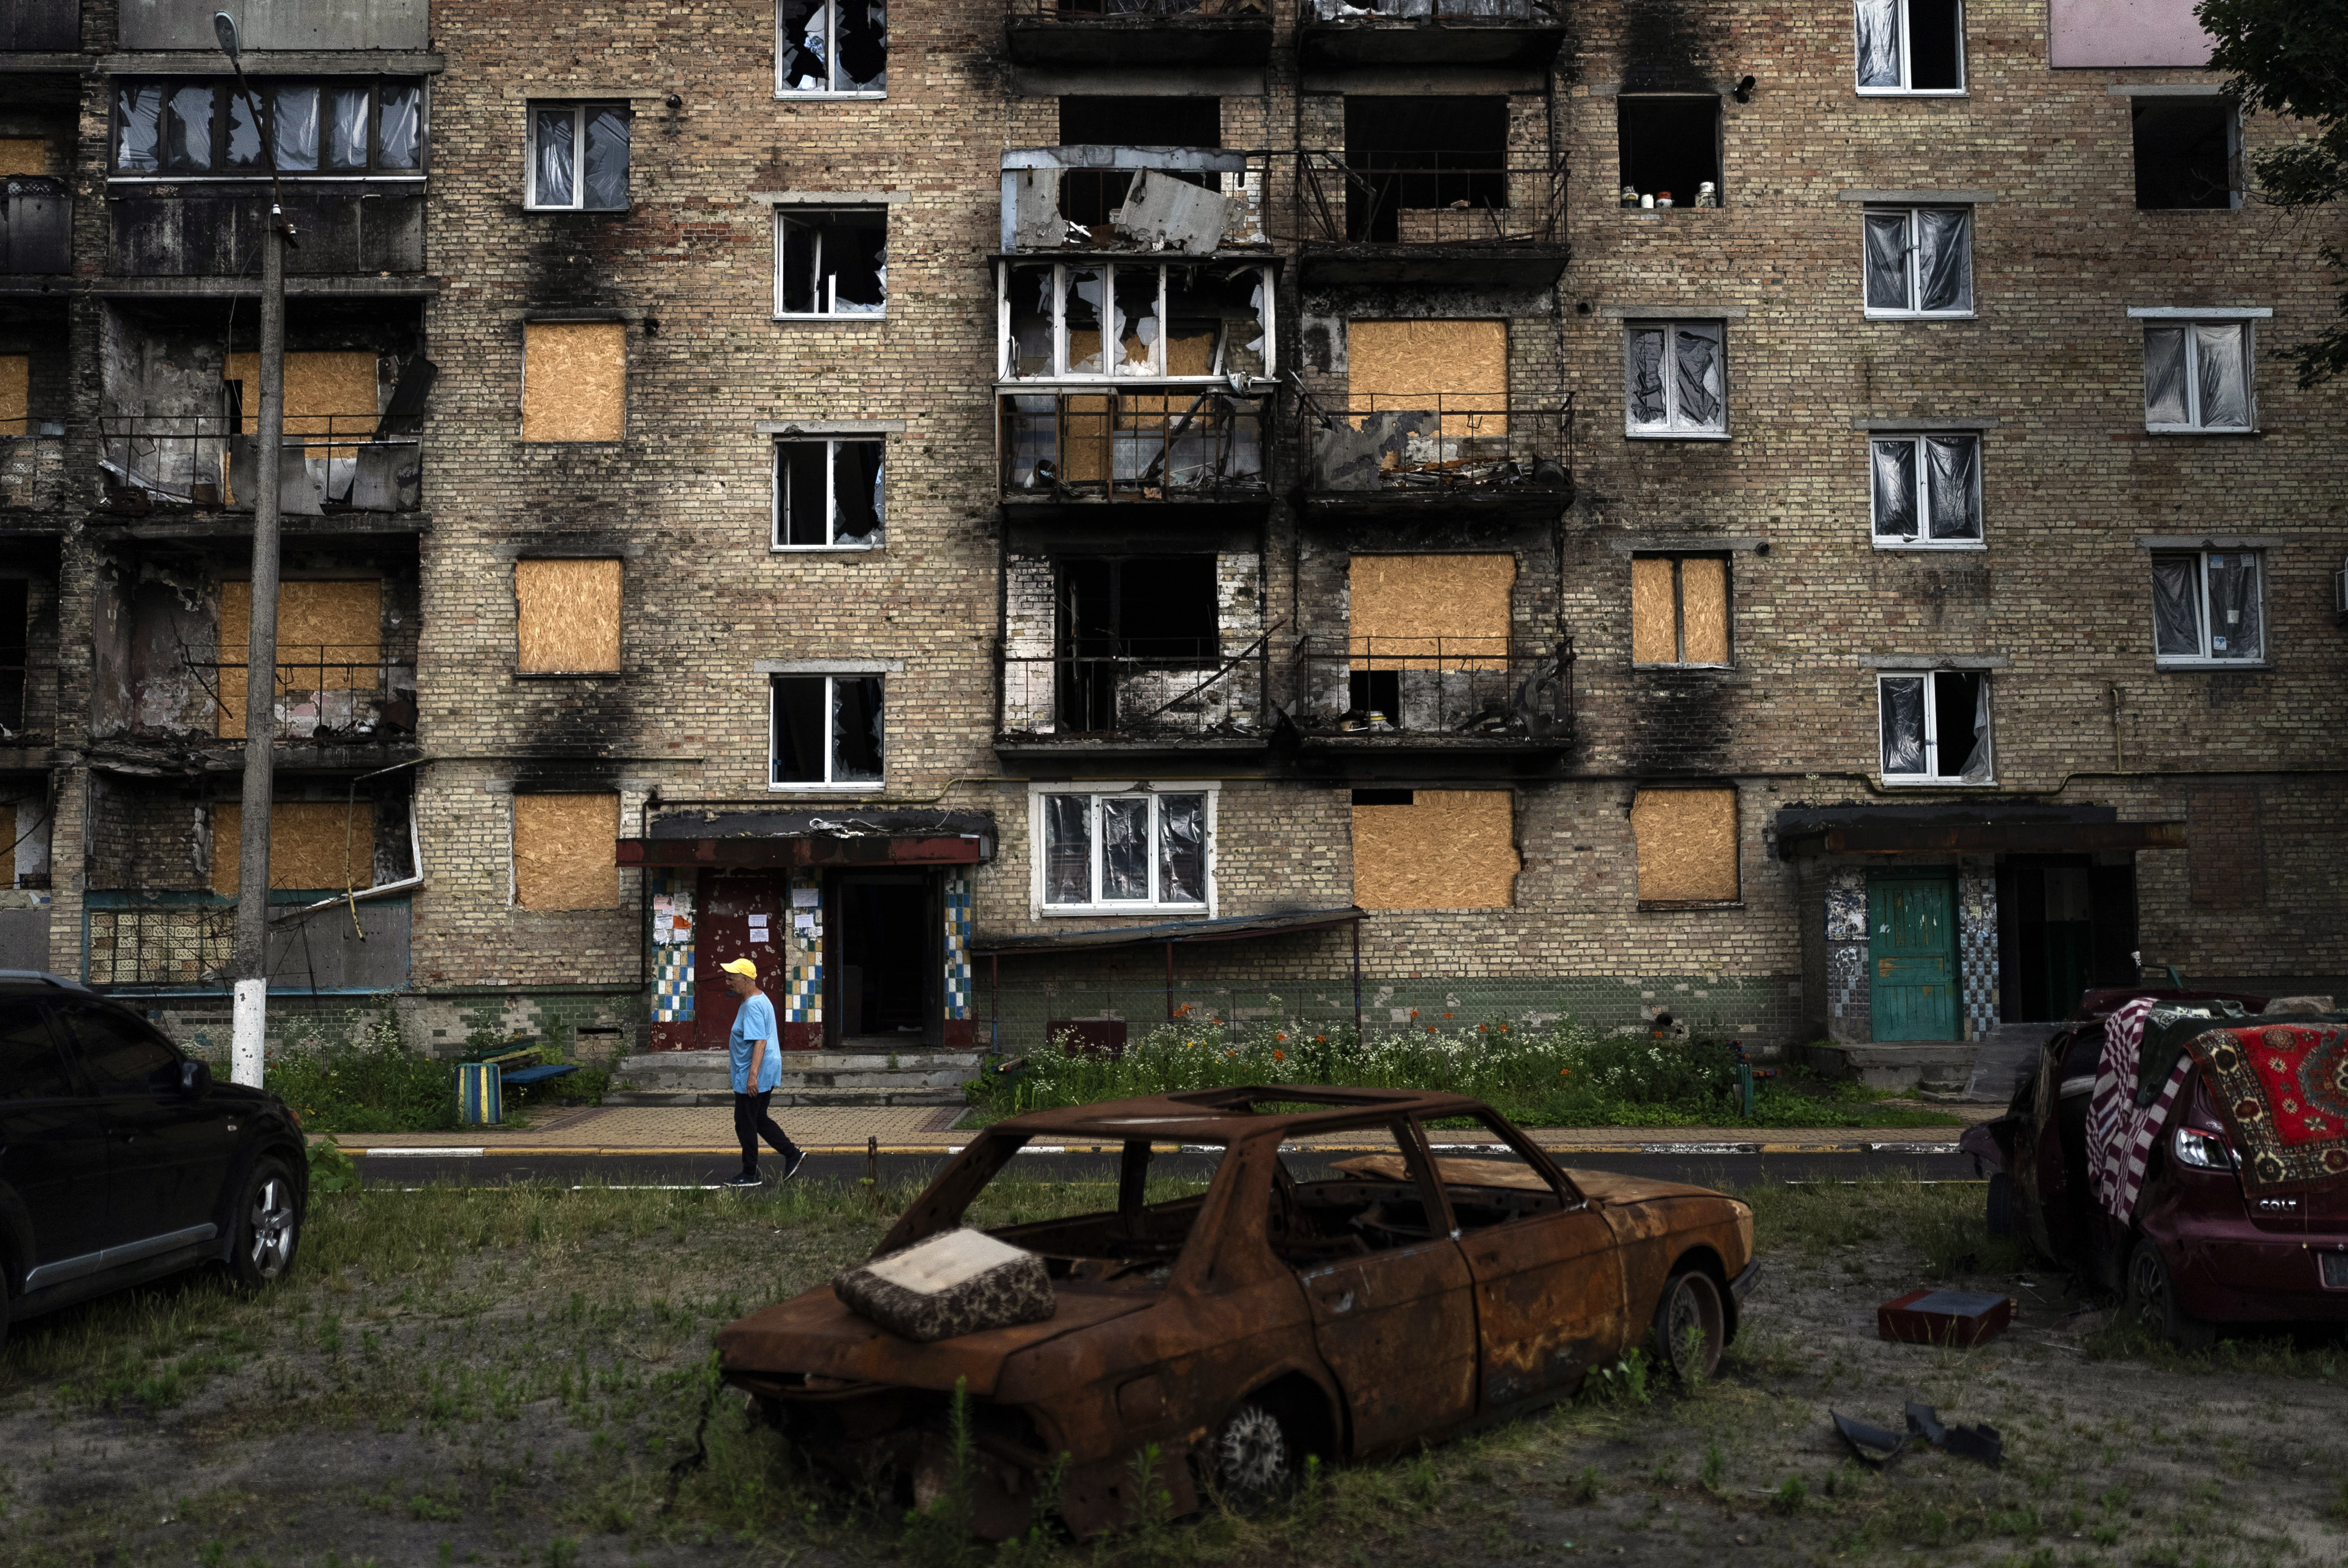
[
  {"x": 2198, "y": 377},
  {"x": 2208, "y": 607},
  {"x": 1920, "y": 260},
  {"x": 826, "y": 731},
  {"x": 1935, "y": 726},
  {"x": 831, "y": 262},
  {"x": 1680, "y": 610},
  {"x": 1674, "y": 379},
  {"x": 1129, "y": 620},
  {"x": 1418, "y": 154},
  {"x": 578, "y": 158},
  {"x": 1122, "y": 850},
  {"x": 326, "y": 126},
  {"x": 837, "y": 48},
  {"x": 16, "y": 643},
  {"x": 1925, "y": 490},
  {"x": 1910, "y": 45},
  {"x": 1180, "y": 320},
  {"x": 2188, "y": 152},
  {"x": 828, "y": 494},
  {"x": 1088, "y": 196},
  {"x": 1670, "y": 150}
]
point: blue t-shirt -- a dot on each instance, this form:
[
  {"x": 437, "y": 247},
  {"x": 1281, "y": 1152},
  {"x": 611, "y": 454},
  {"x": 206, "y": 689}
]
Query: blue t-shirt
[{"x": 755, "y": 1022}]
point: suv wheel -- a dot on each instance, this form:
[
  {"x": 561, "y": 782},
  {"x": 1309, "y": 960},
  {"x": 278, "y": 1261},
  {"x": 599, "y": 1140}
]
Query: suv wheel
[
  {"x": 2152, "y": 1296},
  {"x": 268, "y": 1226}
]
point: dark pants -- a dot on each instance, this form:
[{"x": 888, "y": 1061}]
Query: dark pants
[{"x": 751, "y": 1123}]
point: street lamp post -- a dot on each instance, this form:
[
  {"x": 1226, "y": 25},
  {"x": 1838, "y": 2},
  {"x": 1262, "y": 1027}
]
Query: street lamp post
[{"x": 251, "y": 960}]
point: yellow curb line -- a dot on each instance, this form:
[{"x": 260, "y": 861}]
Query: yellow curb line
[{"x": 421, "y": 1150}]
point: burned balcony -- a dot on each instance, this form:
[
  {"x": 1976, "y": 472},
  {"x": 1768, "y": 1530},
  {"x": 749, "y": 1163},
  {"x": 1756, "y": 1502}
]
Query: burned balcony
[
  {"x": 1495, "y": 693},
  {"x": 36, "y": 227},
  {"x": 1474, "y": 219},
  {"x": 1159, "y": 443},
  {"x": 1434, "y": 450},
  {"x": 1194, "y": 200},
  {"x": 1520, "y": 34},
  {"x": 332, "y": 463},
  {"x": 1152, "y": 34},
  {"x": 324, "y": 694}
]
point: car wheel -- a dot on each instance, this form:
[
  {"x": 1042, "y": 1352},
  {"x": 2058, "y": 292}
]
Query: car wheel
[
  {"x": 268, "y": 1221},
  {"x": 2152, "y": 1296},
  {"x": 1691, "y": 1326},
  {"x": 1998, "y": 1220},
  {"x": 1255, "y": 1456}
]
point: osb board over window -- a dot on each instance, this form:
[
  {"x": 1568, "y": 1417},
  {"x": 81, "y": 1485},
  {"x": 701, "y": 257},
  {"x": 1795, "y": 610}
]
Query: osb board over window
[
  {"x": 1448, "y": 849},
  {"x": 574, "y": 381},
  {"x": 329, "y": 639},
  {"x": 1459, "y": 367},
  {"x": 1429, "y": 612},
  {"x": 568, "y": 614},
  {"x": 1704, "y": 610},
  {"x": 1687, "y": 845},
  {"x": 325, "y": 393},
  {"x": 16, "y": 394},
  {"x": 32, "y": 155},
  {"x": 313, "y": 846},
  {"x": 1654, "y": 614},
  {"x": 562, "y": 851}
]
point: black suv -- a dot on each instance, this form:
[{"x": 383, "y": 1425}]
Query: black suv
[{"x": 122, "y": 1160}]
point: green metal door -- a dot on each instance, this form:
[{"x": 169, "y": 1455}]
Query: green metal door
[{"x": 1912, "y": 923}]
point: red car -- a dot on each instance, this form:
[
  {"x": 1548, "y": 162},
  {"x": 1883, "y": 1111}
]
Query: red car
[{"x": 2199, "y": 1250}]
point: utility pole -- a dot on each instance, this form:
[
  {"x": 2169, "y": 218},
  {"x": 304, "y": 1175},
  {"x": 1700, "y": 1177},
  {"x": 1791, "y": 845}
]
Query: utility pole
[{"x": 252, "y": 960}]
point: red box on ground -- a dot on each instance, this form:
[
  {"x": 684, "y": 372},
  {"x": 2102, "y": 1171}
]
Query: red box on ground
[{"x": 1958, "y": 1317}]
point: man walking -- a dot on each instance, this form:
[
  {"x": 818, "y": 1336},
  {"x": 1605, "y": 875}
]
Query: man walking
[{"x": 756, "y": 1051}]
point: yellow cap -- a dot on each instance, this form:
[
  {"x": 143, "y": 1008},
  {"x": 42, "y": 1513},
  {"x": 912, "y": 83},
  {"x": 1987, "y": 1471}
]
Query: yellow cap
[{"x": 741, "y": 967}]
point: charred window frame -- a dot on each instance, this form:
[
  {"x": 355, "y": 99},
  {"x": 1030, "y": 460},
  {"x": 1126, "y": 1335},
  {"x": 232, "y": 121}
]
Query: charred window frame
[
  {"x": 826, "y": 732},
  {"x": 831, "y": 48},
  {"x": 16, "y": 655},
  {"x": 1676, "y": 380},
  {"x": 829, "y": 493},
  {"x": 1935, "y": 727},
  {"x": 1050, "y": 327},
  {"x": 2208, "y": 609},
  {"x": 2200, "y": 374},
  {"x": 1919, "y": 262},
  {"x": 1910, "y": 46},
  {"x": 1924, "y": 491},
  {"x": 831, "y": 262},
  {"x": 1670, "y": 144},
  {"x": 184, "y": 128},
  {"x": 1104, "y": 850},
  {"x": 578, "y": 158}
]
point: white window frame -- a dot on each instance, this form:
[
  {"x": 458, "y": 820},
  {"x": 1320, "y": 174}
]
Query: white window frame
[
  {"x": 1924, "y": 540},
  {"x": 1933, "y": 732},
  {"x": 1906, "y": 66},
  {"x": 531, "y": 109},
  {"x": 830, "y": 785},
  {"x": 831, "y": 62},
  {"x": 1914, "y": 310},
  {"x": 2188, "y": 320},
  {"x": 2205, "y": 660},
  {"x": 789, "y": 213},
  {"x": 777, "y": 479},
  {"x": 1672, "y": 429},
  {"x": 1006, "y": 360},
  {"x": 1099, "y": 790}
]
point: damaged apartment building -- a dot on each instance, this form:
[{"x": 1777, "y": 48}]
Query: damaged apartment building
[{"x": 1025, "y": 515}]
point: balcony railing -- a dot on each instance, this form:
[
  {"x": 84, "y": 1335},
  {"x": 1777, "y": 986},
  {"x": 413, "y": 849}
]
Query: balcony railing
[
  {"x": 1430, "y": 444},
  {"x": 32, "y": 463},
  {"x": 36, "y": 226},
  {"x": 1428, "y": 198},
  {"x": 1543, "y": 12},
  {"x": 332, "y": 463},
  {"x": 1197, "y": 199},
  {"x": 1168, "y": 444},
  {"x": 1433, "y": 688},
  {"x": 320, "y": 696},
  {"x": 1154, "y": 689}
]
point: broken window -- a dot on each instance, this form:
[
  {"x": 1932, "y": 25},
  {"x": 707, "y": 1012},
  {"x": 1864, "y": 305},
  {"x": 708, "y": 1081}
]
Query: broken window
[
  {"x": 1686, "y": 841},
  {"x": 2188, "y": 152},
  {"x": 1180, "y": 321},
  {"x": 1935, "y": 726},
  {"x": 1669, "y": 146},
  {"x": 16, "y": 639},
  {"x": 2208, "y": 605},
  {"x": 1679, "y": 609},
  {"x": 1446, "y": 849},
  {"x": 1088, "y": 196},
  {"x": 828, "y": 493},
  {"x": 204, "y": 126},
  {"x": 1911, "y": 45},
  {"x": 1676, "y": 379},
  {"x": 826, "y": 731},
  {"x": 574, "y": 381},
  {"x": 1920, "y": 260},
  {"x": 1145, "y": 849},
  {"x": 330, "y": 657},
  {"x": 1129, "y": 626},
  {"x": 1409, "y": 155},
  {"x": 831, "y": 47},
  {"x": 2197, "y": 376},
  {"x": 831, "y": 262},
  {"x": 562, "y": 851},
  {"x": 1926, "y": 489},
  {"x": 578, "y": 158},
  {"x": 567, "y": 616}
]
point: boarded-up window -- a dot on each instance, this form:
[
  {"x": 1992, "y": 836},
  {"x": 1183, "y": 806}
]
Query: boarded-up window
[
  {"x": 564, "y": 851},
  {"x": 1679, "y": 609},
  {"x": 29, "y": 155},
  {"x": 1687, "y": 845},
  {"x": 1460, "y": 369},
  {"x": 1429, "y": 612},
  {"x": 325, "y": 395},
  {"x": 15, "y": 394},
  {"x": 329, "y": 639},
  {"x": 1447, "y": 849},
  {"x": 313, "y": 846},
  {"x": 568, "y": 616},
  {"x": 574, "y": 381}
]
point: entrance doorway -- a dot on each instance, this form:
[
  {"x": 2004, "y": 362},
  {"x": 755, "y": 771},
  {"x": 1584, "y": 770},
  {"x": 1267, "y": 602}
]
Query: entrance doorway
[
  {"x": 886, "y": 982},
  {"x": 2065, "y": 925},
  {"x": 740, "y": 915},
  {"x": 1911, "y": 949}
]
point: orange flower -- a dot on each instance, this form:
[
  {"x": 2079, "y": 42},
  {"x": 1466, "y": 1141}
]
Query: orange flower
[
  {"x": 1483, "y": 1029},
  {"x": 1446, "y": 1015},
  {"x": 1320, "y": 1039},
  {"x": 1504, "y": 1029},
  {"x": 1280, "y": 1036},
  {"x": 1430, "y": 1029},
  {"x": 1414, "y": 1012},
  {"x": 1279, "y": 1055},
  {"x": 1565, "y": 1072}
]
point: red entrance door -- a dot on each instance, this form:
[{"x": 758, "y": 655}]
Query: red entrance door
[{"x": 741, "y": 914}]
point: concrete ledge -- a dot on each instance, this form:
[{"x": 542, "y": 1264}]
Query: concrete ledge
[{"x": 1905, "y": 1064}]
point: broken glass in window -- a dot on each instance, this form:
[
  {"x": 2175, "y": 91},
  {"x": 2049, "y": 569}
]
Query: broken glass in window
[
  {"x": 799, "y": 729},
  {"x": 799, "y": 474},
  {"x": 243, "y": 134},
  {"x": 188, "y": 132},
  {"x": 2234, "y": 629},
  {"x": 1067, "y": 849},
  {"x": 1895, "y": 489},
  {"x": 293, "y": 106},
  {"x": 1945, "y": 258},
  {"x": 1182, "y": 850},
  {"x": 857, "y": 505},
  {"x": 399, "y": 126},
  {"x": 1216, "y": 317},
  {"x": 554, "y": 159},
  {"x": 863, "y": 66},
  {"x": 834, "y": 263},
  {"x": 855, "y": 729},
  {"x": 803, "y": 53},
  {"x": 1878, "y": 43},
  {"x": 1081, "y": 306},
  {"x": 606, "y": 180},
  {"x": 1031, "y": 322},
  {"x": 1961, "y": 722},
  {"x": 1124, "y": 847},
  {"x": 1953, "y": 463},
  {"x": 1643, "y": 372},
  {"x": 1903, "y": 724},
  {"x": 2177, "y": 607},
  {"x": 1136, "y": 290},
  {"x": 2222, "y": 371},
  {"x": 831, "y": 47},
  {"x": 1696, "y": 359},
  {"x": 346, "y": 127},
  {"x": 1032, "y": 441},
  {"x": 138, "y": 115},
  {"x": 1887, "y": 261},
  {"x": 2164, "y": 376}
]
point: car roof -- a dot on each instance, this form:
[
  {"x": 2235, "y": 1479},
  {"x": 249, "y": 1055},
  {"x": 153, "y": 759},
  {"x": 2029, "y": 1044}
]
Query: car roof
[
  {"x": 2106, "y": 1000},
  {"x": 1236, "y": 1114},
  {"x": 40, "y": 980}
]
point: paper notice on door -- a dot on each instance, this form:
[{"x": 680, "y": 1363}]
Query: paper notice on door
[
  {"x": 804, "y": 897},
  {"x": 759, "y": 929},
  {"x": 805, "y": 925}
]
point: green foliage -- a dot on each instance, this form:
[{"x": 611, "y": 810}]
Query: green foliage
[
  {"x": 1624, "y": 1383},
  {"x": 330, "y": 1170},
  {"x": 1793, "y": 1494},
  {"x": 353, "y": 1073}
]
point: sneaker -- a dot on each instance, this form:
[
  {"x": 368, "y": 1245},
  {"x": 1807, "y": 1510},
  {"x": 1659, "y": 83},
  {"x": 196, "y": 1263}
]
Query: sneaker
[
  {"x": 792, "y": 1162},
  {"x": 744, "y": 1180}
]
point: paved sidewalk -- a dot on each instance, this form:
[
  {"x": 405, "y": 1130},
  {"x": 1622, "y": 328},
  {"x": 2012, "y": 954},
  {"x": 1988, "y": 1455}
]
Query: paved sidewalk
[{"x": 920, "y": 1129}]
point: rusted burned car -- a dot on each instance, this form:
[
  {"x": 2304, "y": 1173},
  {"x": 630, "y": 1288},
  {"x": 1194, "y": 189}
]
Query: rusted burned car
[{"x": 1367, "y": 1269}]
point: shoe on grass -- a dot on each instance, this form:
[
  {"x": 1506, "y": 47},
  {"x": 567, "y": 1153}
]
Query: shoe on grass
[{"x": 747, "y": 1179}]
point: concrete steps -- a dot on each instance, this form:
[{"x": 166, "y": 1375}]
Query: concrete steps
[
  {"x": 1984, "y": 1069},
  {"x": 863, "y": 1074}
]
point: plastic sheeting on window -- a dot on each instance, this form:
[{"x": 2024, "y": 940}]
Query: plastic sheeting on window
[
  {"x": 1124, "y": 847},
  {"x": 1976, "y": 764},
  {"x": 138, "y": 115},
  {"x": 2221, "y": 370},
  {"x": 346, "y": 127},
  {"x": 1953, "y": 464},
  {"x": 1878, "y": 43},
  {"x": 606, "y": 180},
  {"x": 1894, "y": 465},
  {"x": 2234, "y": 629},
  {"x": 855, "y": 729},
  {"x": 1887, "y": 261},
  {"x": 1182, "y": 850},
  {"x": 1067, "y": 849},
  {"x": 1903, "y": 701},
  {"x": 1695, "y": 357},
  {"x": 244, "y": 134},
  {"x": 2177, "y": 607},
  {"x": 2164, "y": 376},
  {"x": 1944, "y": 257},
  {"x": 555, "y": 158},
  {"x": 188, "y": 132},
  {"x": 294, "y": 107},
  {"x": 399, "y": 126},
  {"x": 1642, "y": 376}
]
